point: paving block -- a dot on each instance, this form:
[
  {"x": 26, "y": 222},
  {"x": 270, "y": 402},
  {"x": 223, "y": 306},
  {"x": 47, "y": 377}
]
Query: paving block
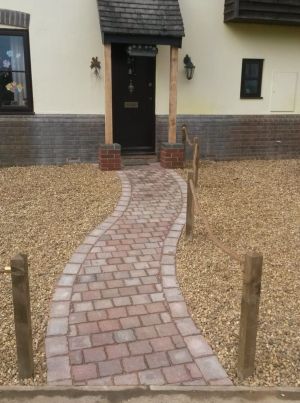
[
  {"x": 108, "y": 368},
  {"x": 58, "y": 368},
  {"x": 124, "y": 336},
  {"x": 198, "y": 346},
  {"x": 56, "y": 346},
  {"x": 176, "y": 374},
  {"x": 152, "y": 377},
  {"x": 84, "y": 372},
  {"x": 157, "y": 360},
  {"x": 94, "y": 354},
  {"x": 211, "y": 368},
  {"x": 117, "y": 351},
  {"x": 134, "y": 364}
]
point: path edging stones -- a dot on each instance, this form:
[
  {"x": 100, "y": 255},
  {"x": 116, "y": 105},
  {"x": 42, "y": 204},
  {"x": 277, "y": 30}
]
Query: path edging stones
[
  {"x": 206, "y": 360},
  {"x": 184, "y": 357},
  {"x": 56, "y": 343}
]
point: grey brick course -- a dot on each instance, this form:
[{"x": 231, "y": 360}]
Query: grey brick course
[
  {"x": 58, "y": 139},
  {"x": 50, "y": 139},
  {"x": 233, "y": 137}
]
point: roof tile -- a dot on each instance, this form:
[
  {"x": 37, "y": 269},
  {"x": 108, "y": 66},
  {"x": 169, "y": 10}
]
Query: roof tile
[{"x": 141, "y": 17}]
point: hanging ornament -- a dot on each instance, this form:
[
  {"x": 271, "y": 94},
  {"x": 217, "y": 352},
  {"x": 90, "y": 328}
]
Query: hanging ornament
[{"x": 131, "y": 87}]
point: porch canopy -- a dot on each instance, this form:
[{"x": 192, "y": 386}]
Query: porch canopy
[
  {"x": 147, "y": 22},
  {"x": 155, "y": 22}
]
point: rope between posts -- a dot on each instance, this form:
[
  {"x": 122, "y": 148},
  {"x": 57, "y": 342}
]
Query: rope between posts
[
  {"x": 209, "y": 231},
  {"x": 252, "y": 271}
]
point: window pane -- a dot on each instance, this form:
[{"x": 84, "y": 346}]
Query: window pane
[
  {"x": 251, "y": 87},
  {"x": 13, "y": 92},
  {"x": 251, "y": 78},
  {"x": 252, "y": 70},
  {"x": 12, "y": 53}
]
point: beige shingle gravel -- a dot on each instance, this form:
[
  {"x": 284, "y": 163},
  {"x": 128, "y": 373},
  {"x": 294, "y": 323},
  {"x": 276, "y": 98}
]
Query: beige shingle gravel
[
  {"x": 250, "y": 204},
  {"x": 45, "y": 212}
]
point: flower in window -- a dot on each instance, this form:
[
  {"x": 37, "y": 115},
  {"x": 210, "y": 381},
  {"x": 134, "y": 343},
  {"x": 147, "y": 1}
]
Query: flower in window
[
  {"x": 14, "y": 87},
  {"x": 6, "y": 64},
  {"x": 11, "y": 87},
  {"x": 20, "y": 87},
  {"x": 15, "y": 83}
]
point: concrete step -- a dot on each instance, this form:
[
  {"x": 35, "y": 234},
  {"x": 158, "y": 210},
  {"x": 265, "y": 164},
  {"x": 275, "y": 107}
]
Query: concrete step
[{"x": 135, "y": 160}]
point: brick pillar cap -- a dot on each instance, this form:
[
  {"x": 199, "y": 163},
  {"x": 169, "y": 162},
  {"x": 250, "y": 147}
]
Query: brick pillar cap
[
  {"x": 110, "y": 147},
  {"x": 172, "y": 146}
]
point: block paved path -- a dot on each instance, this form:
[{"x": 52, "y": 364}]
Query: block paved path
[{"x": 117, "y": 315}]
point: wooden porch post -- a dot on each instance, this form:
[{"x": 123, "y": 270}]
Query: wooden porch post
[
  {"x": 108, "y": 95},
  {"x": 173, "y": 94}
]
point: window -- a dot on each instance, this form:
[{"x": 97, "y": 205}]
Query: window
[
  {"x": 251, "y": 78},
  {"x": 15, "y": 75}
]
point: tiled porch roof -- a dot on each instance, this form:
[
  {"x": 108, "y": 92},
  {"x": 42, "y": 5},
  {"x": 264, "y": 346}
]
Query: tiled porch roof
[{"x": 161, "y": 18}]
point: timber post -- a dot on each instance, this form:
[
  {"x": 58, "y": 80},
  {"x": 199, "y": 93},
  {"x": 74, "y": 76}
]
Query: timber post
[
  {"x": 22, "y": 315},
  {"x": 196, "y": 158},
  {"x": 249, "y": 314},
  {"x": 172, "y": 153},
  {"x": 190, "y": 209},
  {"x": 173, "y": 94},
  {"x": 108, "y": 95},
  {"x": 109, "y": 153}
]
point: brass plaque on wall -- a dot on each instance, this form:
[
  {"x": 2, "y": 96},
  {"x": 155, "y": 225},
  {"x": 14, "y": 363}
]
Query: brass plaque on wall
[{"x": 131, "y": 105}]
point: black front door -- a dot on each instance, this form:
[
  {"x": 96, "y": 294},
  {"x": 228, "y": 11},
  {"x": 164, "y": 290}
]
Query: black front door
[{"x": 133, "y": 85}]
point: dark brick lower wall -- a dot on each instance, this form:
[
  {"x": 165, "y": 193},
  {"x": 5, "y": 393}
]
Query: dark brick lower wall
[
  {"x": 50, "y": 139},
  {"x": 55, "y": 139},
  {"x": 239, "y": 136}
]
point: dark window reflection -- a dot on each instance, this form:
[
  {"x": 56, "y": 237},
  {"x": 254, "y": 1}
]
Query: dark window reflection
[
  {"x": 251, "y": 78},
  {"x": 13, "y": 83}
]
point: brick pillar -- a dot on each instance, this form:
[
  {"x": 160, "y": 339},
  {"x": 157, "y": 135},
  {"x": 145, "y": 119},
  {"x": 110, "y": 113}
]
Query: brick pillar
[
  {"x": 172, "y": 155},
  {"x": 110, "y": 157}
]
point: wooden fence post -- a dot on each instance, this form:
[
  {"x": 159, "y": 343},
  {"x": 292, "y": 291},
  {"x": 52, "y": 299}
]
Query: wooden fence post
[
  {"x": 190, "y": 209},
  {"x": 183, "y": 132},
  {"x": 196, "y": 157},
  {"x": 22, "y": 315},
  {"x": 249, "y": 314}
]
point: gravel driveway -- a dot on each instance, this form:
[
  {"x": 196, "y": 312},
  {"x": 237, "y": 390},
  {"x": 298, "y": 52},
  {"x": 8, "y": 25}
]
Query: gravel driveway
[
  {"x": 45, "y": 212},
  {"x": 250, "y": 204}
]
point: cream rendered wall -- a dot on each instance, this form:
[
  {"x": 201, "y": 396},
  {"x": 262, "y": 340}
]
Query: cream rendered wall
[
  {"x": 217, "y": 50},
  {"x": 65, "y": 35}
]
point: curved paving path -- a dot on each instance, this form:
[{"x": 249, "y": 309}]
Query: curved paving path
[{"x": 117, "y": 315}]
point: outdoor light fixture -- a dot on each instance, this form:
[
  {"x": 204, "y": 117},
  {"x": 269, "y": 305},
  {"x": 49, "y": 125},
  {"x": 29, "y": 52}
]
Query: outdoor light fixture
[
  {"x": 96, "y": 66},
  {"x": 189, "y": 67}
]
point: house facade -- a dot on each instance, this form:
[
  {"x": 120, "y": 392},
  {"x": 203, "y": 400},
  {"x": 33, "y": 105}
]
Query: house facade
[{"x": 243, "y": 100}]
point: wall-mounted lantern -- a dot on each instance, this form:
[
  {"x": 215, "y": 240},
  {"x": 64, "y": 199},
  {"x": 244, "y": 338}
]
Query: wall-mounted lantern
[
  {"x": 96, "y": 66},
  {"x": 189, "y": 67}
]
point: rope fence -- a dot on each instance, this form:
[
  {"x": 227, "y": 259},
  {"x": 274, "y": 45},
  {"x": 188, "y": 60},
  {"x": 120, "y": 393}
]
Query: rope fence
[
  {"x": 225, "y": 248},
  {"x": 251, "y": 262}
]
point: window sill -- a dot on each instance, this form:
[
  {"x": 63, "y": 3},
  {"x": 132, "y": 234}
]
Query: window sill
[
  {"x": 247, "y": 98},
  {"x": 16, "y": 113}
]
